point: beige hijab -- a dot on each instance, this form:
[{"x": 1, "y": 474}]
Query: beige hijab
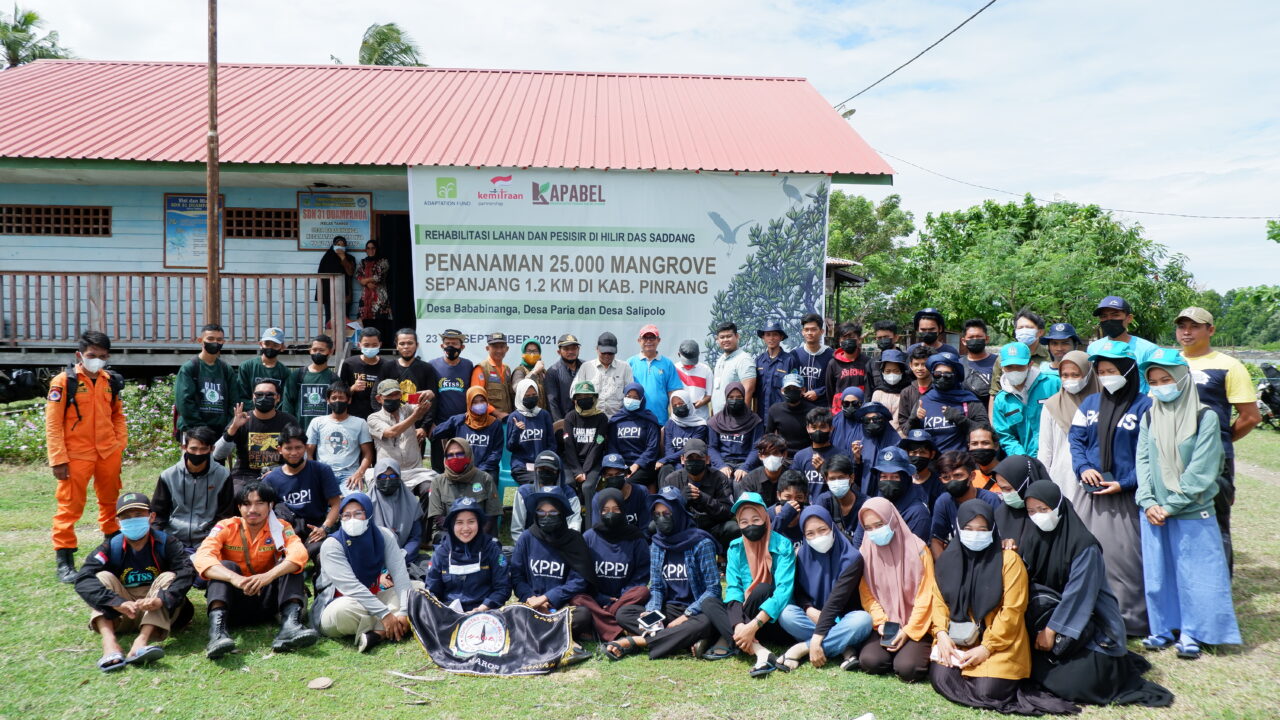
[
  {"x": 1062, "y": 405},
  {"x": 1172, "y": 423}
]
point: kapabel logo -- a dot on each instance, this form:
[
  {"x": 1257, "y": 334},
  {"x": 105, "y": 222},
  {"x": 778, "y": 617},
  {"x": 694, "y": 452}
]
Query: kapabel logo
[
  {"x": 566, "y": 194},
  {"x": 499, "y": 190}
]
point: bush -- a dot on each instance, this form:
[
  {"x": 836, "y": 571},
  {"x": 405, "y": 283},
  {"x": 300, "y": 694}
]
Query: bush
[{"x": 148, "y": 410}]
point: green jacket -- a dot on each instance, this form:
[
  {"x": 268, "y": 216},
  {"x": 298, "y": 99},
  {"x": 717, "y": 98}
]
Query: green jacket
[
  {"x": 1199, "y": 479},
  {"x": 1017, "y": 424},
  {"x": 206, "y": 394},
  {"x": 253, "y": 369},
  {"x": 738, "y": 574}
]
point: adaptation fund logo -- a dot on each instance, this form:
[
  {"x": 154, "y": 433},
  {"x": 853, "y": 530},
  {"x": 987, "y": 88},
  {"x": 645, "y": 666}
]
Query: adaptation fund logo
[
  {"x": 563, "y": 194},
  {"x": 499, "y": 190},
  {"x": 446, "y": 188}
]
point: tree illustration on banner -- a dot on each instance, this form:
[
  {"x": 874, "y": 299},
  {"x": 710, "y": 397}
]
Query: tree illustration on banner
[{"x": 782, "y": 278}]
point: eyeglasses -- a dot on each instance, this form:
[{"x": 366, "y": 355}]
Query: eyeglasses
[
  {"x": 548, "y": 513},
  {"x": 388, "y": 477},
  {"x": 353, "y": 515},
  {"x": 661, "y": 514},
  {"x": 849, "y": 406},
  {"x": 455, "y": 455}
]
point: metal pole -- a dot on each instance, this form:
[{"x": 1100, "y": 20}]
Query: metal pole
[{"x": 213, "y": 214}]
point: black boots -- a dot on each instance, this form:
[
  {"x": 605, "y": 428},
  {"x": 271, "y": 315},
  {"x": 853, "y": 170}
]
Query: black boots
[
  {"x": 66, "y": 564},
  {"x": 293, "y": 634},
  {"x": 220, "y": 643}
]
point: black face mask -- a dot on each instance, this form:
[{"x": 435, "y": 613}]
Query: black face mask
[
  {"x": 884, "y": 343},
  {"x": 920, "y": 462},
  {"x": 850, "y": 413},
  {"x": 339, "y": 407},
  {"x": 212, "y": 348},
  {"x": 890, "y": 490},
  {"x": 695, "y": 466},
  {"x": 944, "y": 382},
  {"x": 873, "y": 427},
  {"x": 452, "y": 352},
  {"x": 270, "y": 352},
  {"x": 849, "y": 346},
  {"x": 319, "y": 358},
  {"x": 754, "y": 532},
  {"x": 792, "y": 395},
  {"x": 820, "y": 437},
  {"x": 957, "y": 488},
  {"x": 391, "y": 406},
  {"x": 584, "y": 403},
  {"x": 976, "y": 346},
  {"x": 552, "y": 525},
  {"x": 664, "y": 524},
  {"x": 735, "y": 406},
  {"x": 530, "y": 403},
  {"x": 264, "y": 404},
  {"x": 681, "y": 411},
  {"x": 613, "y": 520},
  {"x": 196, "y": 460},
  {"x": 617, "y": 482},
  {"x": 387, "y": 485},
  {"x": 928, "y": 337},
  {"x": 1112, "y": 328},
  {"x": 548, "y": 476},
  {"x": 984, "y": 456}
]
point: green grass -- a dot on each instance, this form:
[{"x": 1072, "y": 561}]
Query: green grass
[{"x": 48, "y": 653}]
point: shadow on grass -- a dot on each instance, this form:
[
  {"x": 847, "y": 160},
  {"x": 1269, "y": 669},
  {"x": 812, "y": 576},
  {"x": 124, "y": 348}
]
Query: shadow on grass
[{"x": 1257, "y": 582}]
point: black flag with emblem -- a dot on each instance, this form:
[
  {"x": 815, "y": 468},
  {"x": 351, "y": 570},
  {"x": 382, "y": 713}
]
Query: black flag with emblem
[{"x": 510, "y": 640}]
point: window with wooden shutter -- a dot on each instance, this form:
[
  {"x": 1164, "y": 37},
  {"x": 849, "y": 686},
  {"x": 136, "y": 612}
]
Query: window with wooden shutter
[
  {"x": 67, "y": 220},
  {"x": 261, "y": 223}
]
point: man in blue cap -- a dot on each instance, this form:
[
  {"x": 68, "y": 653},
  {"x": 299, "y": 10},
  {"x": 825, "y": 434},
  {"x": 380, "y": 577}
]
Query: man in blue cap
[
  {"x": 772, "y": 366},
  {"x": 1114, "y": 318},
  {"x": 1061, "y": 339},
  {"x": 1024, "y": 387}
]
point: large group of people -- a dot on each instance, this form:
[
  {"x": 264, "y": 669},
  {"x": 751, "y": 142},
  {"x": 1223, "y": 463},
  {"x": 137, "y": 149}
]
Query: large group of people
[{"x": 998, "y": 523}]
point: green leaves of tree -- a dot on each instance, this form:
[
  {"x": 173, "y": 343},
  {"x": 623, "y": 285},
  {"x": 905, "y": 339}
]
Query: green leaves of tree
[{"x": 21, "y": 41}]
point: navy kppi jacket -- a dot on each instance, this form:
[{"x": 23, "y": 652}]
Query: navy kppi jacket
[
  {"x": 674, "y": 437},
  {"x": 486, "y": 444},
  {"x": 619, "y": 567},
  {"x": 540, "y": 570}
]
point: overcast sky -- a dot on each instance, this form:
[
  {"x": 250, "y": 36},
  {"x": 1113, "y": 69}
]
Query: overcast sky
[{"x": 1168, "y": 106}]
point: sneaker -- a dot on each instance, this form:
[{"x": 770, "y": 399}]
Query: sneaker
[{"x": 368, "y": 641}]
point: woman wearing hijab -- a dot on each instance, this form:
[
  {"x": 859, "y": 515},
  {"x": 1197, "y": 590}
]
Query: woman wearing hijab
[
  {"x": 1013, "y": 476},
  {"x": 890, "y": 381},
  {"x": 684, "y": 425},
  {"x": 479, "y": 427},
  {"x": 396, "y": 509},
  {"x": 1180, "y": 457},
  {"x": 635, "y": 434},
  {"x": 354, "y": 597},
  {"x": 548, "y": 477},
  {"x": 870, "y": 431},
  {"x": 551, "y": 563},
  {"x": 1078, "y": 632},
  {"x": 823, "y": 557},
  {"x": 335, "y": 261},
  {"x": 947, "y": 407},
  {"x": 1079, "y": 381},
  {"x": 375, "y": 307},
  {"x": 582, "y": 437},
  {"x": 895, "y": 590},
  {"x": 683, "y": 579},
  {"x": 621, "y": 556},
  {"x": 529, "y": 431},
  {"x": 759, "y": 576},
  {"x": 734, "y": 431},
  {"x": 467, "y": 566},
  {"x": 530, "y": 367},
  {"x": 981, "y": 651},
  {"x": 1104, "y": 440},
  {"x": 461, "y": 478}
]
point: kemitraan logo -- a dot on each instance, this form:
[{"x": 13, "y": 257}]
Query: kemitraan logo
[
  {"x": 565, "y": 194},
  {"x": 499, "y": 190},
  {"x": 446, "y": 187}
]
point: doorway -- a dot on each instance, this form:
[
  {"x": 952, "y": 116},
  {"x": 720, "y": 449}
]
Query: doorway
[{"x": 395, "y": 239}]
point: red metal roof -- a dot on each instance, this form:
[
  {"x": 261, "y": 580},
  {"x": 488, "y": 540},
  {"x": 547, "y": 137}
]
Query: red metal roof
[{"x": 362, "y": 115}]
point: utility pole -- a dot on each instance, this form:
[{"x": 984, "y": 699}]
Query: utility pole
[{"x": 213, "y": 209}]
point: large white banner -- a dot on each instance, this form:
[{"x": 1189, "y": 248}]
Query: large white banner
[{"x": 537, "y": 253}]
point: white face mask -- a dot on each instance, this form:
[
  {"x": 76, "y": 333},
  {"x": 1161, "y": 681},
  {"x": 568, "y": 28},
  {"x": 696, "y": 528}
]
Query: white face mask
[
  {"x": 1016, "y": 377},
  {"x": 772, "y": 463},
  {"x": 881, "y": 536},
  {"x": 822, "y": 543},
  {"x": 892, "y": 378},
  {"x": 1073, "y": 386},
  {"x": 1046, "y": 521},
  {"x": 1026, "y": 336},
  {"x": 838, "y": 487},
  {"x": 975, "y": 540},
  {"x": 93, "y": 365},
  {"x": 355, "y": 527},
  {"x": 1112, "y": 383}
]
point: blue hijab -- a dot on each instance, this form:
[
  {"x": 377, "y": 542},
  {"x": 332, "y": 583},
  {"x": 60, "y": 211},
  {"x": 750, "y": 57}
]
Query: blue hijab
[
  {"x": 686, "y": 535},
  {"x": 956, "y": 395},
  {"x": 365, "y": 552},
  {"x": 643, "y": 414},
  {"x": 817, "y": 572},
  {"x": 451, "y": 547}
]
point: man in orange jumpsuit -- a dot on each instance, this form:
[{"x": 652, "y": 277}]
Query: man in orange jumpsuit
[{"x": 86, "y": 436}]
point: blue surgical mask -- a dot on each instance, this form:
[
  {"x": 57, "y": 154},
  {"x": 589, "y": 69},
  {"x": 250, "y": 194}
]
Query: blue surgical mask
[
  {"x": 135, "y": 528},
  {"x": 1026, "y": 336},
  {"x": 881, "y": 536},
  {"x": 369, "y": 352},
  {"x": 838, "y": 487},
  {"x": 975, "y": 540},
  {"x": 631, "y": 404},
  {"x": 1166, "y": 393}
]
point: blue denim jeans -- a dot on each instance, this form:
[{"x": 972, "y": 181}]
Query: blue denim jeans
[{"x": 848, "y": 632}]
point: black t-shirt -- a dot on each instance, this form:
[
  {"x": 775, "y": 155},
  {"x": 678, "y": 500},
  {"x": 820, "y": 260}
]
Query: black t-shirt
[
  {"x": 353, "y": 369},
  {"x": 307, "y": 493},
  {"x": 417, "y": 377},
  {"x": 788, "y": 422},
  {"x": 257, "y": 444}
]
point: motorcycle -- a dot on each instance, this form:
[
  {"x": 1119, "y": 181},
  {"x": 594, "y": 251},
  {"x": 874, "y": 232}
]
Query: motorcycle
[{"x": 1269, "y": 397}]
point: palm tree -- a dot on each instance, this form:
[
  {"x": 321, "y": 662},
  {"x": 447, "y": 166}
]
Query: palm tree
[
  {"x": 21, "y": 43},
  {"x": 387, "y": 44}
]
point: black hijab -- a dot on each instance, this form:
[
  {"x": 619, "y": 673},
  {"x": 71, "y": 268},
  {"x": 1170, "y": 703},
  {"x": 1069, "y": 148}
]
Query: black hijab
[
  {"x": 610, "y": 535},
  {"x": 1020, "y": 471},
  {"x": 568, "y": 543},
  {"x": 1049, "y": 555},
  {"x": 1111, "y": 408},
  {"x": 971, "y": 582}
]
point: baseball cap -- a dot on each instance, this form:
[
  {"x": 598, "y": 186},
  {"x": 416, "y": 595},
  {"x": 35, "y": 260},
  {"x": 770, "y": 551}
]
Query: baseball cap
[
  {"x": 1015, "y": 353},
  {"x": 1113, "y": 301},
  {"x": 1062, "y": 331},
  {"x": 567, "y": 340},
  {"x": 273, "y": 334},
  {"x": 607, "y": 343},
  {"x": 1168, "y": 357},
  {"x": 133, "y": 501},
  {"x": 452, "y": 334},
  {"x": 747, "y": 498},
  {"x": 917, "y": 438},
  {"x": 689, "y": 350},
  {"x": 388, "y": 386},
  {"x": 1110, "y": 349},
  {"x": 694, "y": 447},
  {"x": 934, "y": 313},
  {"x": 1196, "y": 314},
  {"x": 547, "y": 459},
  {"x": 496, "y": 338},
  {"x": 650, "y": 329},
  {"x": 615, "y": 461},
  {"x": 791, "y": 380}
]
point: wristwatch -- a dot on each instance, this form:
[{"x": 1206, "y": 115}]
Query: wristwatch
[{"x": 760, "y": 623}]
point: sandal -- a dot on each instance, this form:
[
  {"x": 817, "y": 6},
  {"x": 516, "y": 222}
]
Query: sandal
[
  {"x": 764, "y": 670},
  {"x": 111, "y": 662},
  {"x": 1188, "y": 649},
  {"x": 578, "y": 655},
  {"x": 147, "y": 654},
  {"x": 1157, "y": 642},
  {"x": 720, "y": 652},
  {"x": 782, "y": 663},
  {"x": 622, "y": 650},
  {"x": 850, "y": 664}
]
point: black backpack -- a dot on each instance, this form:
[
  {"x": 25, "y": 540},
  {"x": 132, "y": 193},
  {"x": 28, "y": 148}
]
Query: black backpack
[{"x": 114, "y": 380}]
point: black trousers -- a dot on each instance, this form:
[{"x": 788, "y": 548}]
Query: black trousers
[
  {"x": 910, "y": 662},
  {"x": 255, "y": 609},
  {"x": 671, "y": 639},
  {"x": 1222, "y": 503},
  {"x": 725, "y": 617}
]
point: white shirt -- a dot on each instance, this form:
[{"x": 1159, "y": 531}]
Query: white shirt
[
  {"x": 734, "y": 367},
  {"x": 698, "y": 382},
  {"x": 608, "y": 382}
]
